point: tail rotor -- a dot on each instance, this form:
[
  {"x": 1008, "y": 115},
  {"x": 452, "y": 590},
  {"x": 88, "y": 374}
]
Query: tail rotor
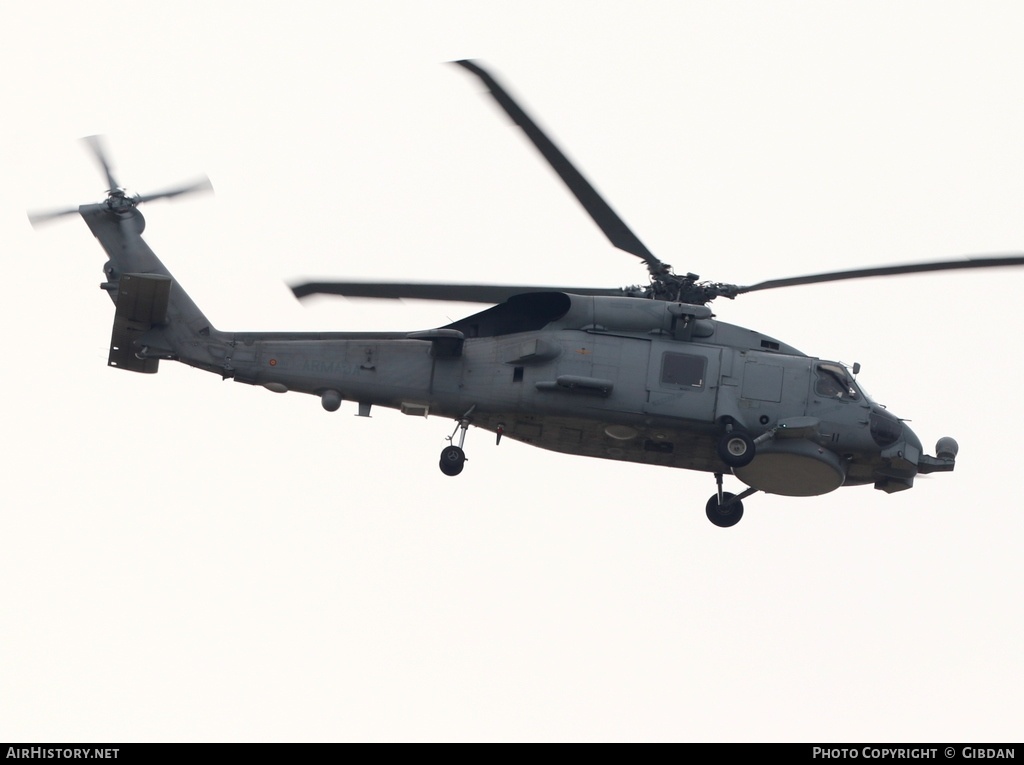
[{"x": 119, "y": 200}]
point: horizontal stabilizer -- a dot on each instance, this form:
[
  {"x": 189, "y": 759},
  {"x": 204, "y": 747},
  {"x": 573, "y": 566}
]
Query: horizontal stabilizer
[{"x": 142, "y": 301}]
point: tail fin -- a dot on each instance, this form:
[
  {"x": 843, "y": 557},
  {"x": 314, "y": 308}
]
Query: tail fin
[
  {"x": 154, "y": 317},
  {"x": 142, "y": 301}
]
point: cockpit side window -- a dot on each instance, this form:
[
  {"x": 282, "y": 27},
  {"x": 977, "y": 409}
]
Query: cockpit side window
[{"x": 833, "y": 381}]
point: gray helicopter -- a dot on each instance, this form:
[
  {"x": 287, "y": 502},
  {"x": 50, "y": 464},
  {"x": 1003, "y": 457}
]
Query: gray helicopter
[{"x": 638, "y": 374}]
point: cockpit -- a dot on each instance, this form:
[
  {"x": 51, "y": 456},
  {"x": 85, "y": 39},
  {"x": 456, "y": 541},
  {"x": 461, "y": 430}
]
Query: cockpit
[{"x": 833, "y": 381}]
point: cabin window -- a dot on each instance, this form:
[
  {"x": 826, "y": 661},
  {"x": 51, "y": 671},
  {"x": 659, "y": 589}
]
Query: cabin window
[
  {"x": 683, "y": 369},
  {"x": 833, "y": 381}
]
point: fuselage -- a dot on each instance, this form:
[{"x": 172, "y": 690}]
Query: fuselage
[
  {"x": 614, "y": 378},
  {"x": 620, "y": 378}
]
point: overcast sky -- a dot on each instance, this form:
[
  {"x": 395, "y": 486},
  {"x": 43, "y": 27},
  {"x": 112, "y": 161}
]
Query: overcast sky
[{"x": 187, "y": 559}]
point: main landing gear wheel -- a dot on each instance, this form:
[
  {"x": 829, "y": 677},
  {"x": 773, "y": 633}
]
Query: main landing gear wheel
[
  {"x": 736, "y": 448},
  {"x": 453, "y": 459},
  {"x": 724, "y": 515}
]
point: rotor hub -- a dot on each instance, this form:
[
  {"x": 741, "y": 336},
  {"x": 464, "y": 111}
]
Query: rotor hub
[
  {"x": 686, "y": 289},
  {"x": 121, "y": 201}
]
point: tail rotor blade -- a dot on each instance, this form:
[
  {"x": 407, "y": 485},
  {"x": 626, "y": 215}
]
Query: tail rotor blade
[
  {"x": 202, "y": 184},
  {"x": 95, "y": 144},
  {"x": 42, "y": 218}
]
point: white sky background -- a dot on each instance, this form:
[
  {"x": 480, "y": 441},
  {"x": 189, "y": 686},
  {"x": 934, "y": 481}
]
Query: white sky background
[{"x": 187, "y": 559}]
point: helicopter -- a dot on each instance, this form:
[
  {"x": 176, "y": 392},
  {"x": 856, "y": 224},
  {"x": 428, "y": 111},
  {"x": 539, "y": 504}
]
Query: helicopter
[{"x": 643, "y": 373}]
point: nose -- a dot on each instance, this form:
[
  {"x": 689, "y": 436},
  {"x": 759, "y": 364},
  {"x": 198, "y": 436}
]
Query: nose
[
  {"x": 886, "y": 428},
  {"x": 900, "y": 453},
  {"x": 913, "y": 443}
]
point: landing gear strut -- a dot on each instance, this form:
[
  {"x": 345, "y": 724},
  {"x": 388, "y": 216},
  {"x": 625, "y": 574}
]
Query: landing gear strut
[
  {"x": 453, "y": 459},
  {"x": 725, "y": 509}
]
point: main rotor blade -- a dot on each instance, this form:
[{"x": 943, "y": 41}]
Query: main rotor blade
[
  {"x": 95, "y": 143},
  {"x": 909, "y": 268},
  {"x": 618, "y": 233},
  {"x": 465, "y": 293}
]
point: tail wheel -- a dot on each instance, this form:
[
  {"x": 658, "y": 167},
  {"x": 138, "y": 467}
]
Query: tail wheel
[
  {"x": 724, "y": 515},
  {"x": 453, "y": 459}
]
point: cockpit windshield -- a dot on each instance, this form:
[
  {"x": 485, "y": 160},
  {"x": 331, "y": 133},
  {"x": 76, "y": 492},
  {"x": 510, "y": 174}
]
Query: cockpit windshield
[{"x": 834, "y": 381}]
